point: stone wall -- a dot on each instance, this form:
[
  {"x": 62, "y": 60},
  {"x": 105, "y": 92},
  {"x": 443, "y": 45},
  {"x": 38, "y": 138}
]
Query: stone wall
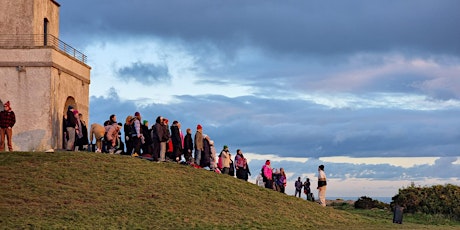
[
  {"x": 31, "y": 17},
  {"x": 38, "y": 83}
]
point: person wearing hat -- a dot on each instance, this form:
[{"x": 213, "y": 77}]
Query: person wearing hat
[
  {"x": 198, "y": 144},
  {"x": 146, "y": 140},
  {"x": 7, "y": 121}
]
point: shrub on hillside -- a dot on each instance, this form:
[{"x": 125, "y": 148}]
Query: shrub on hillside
[
  {"x": 437, "y": 199},
  {"x": 365, "y": 202}
]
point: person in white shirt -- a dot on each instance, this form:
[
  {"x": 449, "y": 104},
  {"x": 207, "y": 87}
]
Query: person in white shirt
[
  {"x": 322, "y": 185},
  {"x": 260, "y": 180}
]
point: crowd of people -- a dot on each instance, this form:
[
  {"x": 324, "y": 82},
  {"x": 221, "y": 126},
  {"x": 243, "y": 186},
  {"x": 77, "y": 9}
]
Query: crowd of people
[
  {"x": 276, "y": 179},
  {"x": 162, "y": 142}
]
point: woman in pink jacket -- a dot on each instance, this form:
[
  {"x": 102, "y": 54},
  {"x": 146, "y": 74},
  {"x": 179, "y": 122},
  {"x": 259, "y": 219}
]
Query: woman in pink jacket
[{"x": 267, "y": 175}]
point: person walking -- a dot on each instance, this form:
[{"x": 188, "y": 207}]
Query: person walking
[
  {"x": 7, "y": 121},
  {"x": 322, "y": 185}
]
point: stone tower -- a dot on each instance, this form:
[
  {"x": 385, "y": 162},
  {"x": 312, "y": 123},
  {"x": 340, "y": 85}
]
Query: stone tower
[{"x": 39, "y": 74}]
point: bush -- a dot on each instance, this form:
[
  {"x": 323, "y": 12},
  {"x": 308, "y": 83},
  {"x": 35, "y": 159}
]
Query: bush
[
  {"x": 438, "y": 199},
  {"x": 365, "y": 202}
]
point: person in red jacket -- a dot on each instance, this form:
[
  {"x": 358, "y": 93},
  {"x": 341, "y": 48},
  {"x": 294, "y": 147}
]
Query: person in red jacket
[{"x": 7, "y": 121}]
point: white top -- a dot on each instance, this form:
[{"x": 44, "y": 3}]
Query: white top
[{"x": 321, "y": 175}]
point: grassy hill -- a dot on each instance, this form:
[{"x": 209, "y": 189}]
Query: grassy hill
[{"x": 79, "y": 190}]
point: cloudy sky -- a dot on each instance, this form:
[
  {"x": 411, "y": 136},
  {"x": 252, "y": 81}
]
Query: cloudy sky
[{"x": 371, "y": 89}]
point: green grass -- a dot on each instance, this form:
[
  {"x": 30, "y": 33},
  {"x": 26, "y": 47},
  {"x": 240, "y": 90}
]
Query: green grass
[{"x": 77, "y": 190}]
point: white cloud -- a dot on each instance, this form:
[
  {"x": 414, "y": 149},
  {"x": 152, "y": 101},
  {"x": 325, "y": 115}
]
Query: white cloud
[
  {"x": 186, "y": 79},
  {"x": 405, "y": 162}
]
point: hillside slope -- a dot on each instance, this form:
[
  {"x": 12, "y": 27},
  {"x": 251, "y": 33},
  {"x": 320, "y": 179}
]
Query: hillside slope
[{"x": 88, "y": 190}]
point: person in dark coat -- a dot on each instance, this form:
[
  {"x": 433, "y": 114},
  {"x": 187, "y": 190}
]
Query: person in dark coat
[
  {"x": 157, "y": 130},
  {"x": 176, "y": 138},
  {"x": 147, "y": 148},
  {"x": 206, "y": 153},
  {"x": 83, "y": 142},
  {"x": 231, "y": 171},
  {"x": 241, "y": 166},
  {"x": 188, "y": 146},
  {"x": 128, "y": 129}
]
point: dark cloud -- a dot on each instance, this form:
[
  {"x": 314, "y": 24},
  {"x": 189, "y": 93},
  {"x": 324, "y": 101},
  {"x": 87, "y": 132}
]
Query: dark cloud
[
  {"x": 292, "y": 27},
  {"x": 146, "y": 73}
]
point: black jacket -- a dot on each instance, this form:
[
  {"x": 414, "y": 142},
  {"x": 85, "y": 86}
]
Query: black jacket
[
  {"x": 175, "y": 136},
  {"x": 188, "y": 142},
  {"x": 71, "y": 121}
]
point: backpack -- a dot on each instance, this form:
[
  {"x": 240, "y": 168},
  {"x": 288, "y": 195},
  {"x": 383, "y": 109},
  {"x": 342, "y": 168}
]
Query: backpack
[
  {"x": 219, "y": 162},
  {"x": 281, "y": 180},
  {"x": 132, "y": 130},
  {"x": 263, "y": 174}
]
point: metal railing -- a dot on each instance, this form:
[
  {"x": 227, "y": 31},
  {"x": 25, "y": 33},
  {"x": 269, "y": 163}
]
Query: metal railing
[{"x": 39, "y": 40}]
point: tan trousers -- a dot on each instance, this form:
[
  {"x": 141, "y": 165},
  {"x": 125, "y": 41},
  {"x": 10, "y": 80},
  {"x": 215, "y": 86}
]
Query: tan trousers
[
  {"x": 322, "y": 195},
  {"x": 8, "y": 133}
]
